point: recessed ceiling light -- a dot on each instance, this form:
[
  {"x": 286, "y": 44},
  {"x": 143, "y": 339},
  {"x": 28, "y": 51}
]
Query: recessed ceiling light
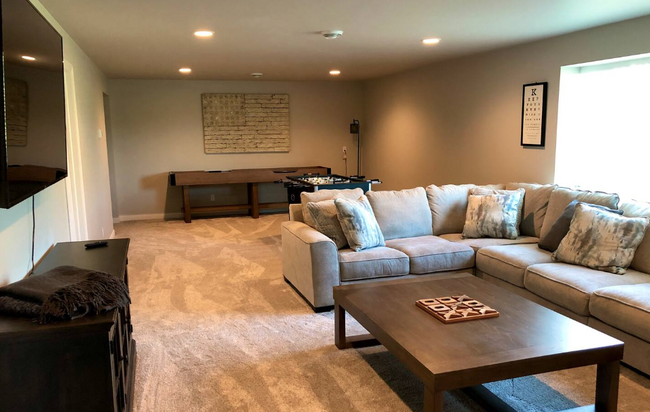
[
  {"x": 335, "y": 72},
  {"x": 30, "y": 58},
  {"x": 185, "y": 70},
  {"x": 204, "y": 34},
  {"x": 433, "y": 40},
  {"x": 332, "y": 34}
]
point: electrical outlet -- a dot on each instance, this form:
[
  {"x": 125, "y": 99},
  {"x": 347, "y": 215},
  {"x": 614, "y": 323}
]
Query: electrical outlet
[
  {"x": 103, "y": 234},
  {"x": 345, "y": 152},
  {"x": 212, "y": 198},
  {"x": 100, "y": 134}
]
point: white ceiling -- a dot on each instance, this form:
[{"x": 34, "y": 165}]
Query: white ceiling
[{"x": 153, "y": 38}]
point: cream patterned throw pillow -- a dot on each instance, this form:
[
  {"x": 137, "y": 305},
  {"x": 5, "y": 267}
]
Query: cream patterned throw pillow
[
  {"x": 601, "y": 240},
  {"x": 326, "y": 221},
  {"x": 494, "y": 215},
  {"x": 359, "y": 223}
]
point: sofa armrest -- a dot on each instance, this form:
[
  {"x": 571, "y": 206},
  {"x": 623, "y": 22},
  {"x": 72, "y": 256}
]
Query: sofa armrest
[
  {"x": 310, "y": 261},
  {"x": 295, "y": 213}
]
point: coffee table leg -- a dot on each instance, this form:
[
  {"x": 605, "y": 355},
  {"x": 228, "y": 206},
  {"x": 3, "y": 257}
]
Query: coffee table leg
[
  {"x": 607, "y": 387},
  {"x": 339, "y": 326},
  {"x": 433, "y": 401},
  {"x": 341, "y": 340}
]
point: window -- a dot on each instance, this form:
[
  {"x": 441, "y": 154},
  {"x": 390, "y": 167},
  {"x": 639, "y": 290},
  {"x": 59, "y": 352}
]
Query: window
[{"x": 603, "y": 139}]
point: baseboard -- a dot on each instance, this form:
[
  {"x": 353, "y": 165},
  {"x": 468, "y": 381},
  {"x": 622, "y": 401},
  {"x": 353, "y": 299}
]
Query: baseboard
[
  {"x": 179, "y": 215},
  {"x": 148, "y": 216}
]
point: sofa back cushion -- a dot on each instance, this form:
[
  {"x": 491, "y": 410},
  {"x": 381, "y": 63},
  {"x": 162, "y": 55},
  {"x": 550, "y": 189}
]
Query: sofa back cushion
[
  {"x": 448, "y": 204},
  {"x": 535, "y": 206},
  {"x": 562, "y": 196},
  {"x": 401, "y": 213},
  {"x": 320, "y": 195},
  {"x": 633, "y": 208}
]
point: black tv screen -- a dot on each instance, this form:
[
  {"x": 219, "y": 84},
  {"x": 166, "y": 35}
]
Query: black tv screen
[{"x": 33, "y": 151}]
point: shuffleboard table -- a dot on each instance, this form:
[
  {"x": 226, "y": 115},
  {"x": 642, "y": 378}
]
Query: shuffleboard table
[{"x": 251, "y": 177}]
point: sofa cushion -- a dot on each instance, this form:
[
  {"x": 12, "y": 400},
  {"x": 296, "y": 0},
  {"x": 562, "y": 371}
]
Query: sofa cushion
[
  {"x": 624, "y": 307},
  {"x": 641, "y": 259},
  {"x": 359, "y": 223},
  {"x": 401, "y": 213},
  {"x": 429, "y": 254},
  {"x": 448, "y": 204},
  {"x": 477, "y": 244},
  {"x": 561, "y": 197},
  {"x": 320, "y": 195},
  {"x": 601, "y": 240},
  {"x": 493, "y": 215},
  {"x": 373, "y": 263},
  {"x": 571, "y": 286},
  {"x": 535, "y": 206},
  {"x": 509, "y": 262}
]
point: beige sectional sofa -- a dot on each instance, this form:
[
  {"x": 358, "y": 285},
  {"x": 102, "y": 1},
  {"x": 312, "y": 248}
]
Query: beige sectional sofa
[{"x": 422, "y": 228}]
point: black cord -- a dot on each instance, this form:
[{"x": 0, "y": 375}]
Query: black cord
[{"x": 33, "y": 230}]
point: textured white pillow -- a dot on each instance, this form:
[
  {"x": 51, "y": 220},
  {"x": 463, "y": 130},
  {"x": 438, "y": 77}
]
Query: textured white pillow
[
  {"x": 359, "y": 223},
  {"x": 326, "y": 221},
  {"x": 493, "y": 216},
  {"x": 601, "y": 240}
]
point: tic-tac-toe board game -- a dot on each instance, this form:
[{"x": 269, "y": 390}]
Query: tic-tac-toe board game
[{"x": 452, "y": 309}]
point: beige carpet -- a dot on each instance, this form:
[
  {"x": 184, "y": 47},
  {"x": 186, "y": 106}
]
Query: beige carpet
[{"x": 218, "y": 329}]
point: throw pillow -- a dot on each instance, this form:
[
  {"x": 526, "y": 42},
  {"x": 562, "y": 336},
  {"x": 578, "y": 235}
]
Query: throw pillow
[
  {"x": 633, "y": 208},
  {"x": 358, "y": 223},
  {"x": 601, "y": 240},
  {"x": 521, "y": 193},
  {"x": 561, "y": 197},
  {"x": 561, "y": 226},
  {"x": 448, "y": 204},
  {"x": 535, "y": 206},
  {"x": 327, "y": 222},
  {"x": 492, "y": 216},
  {"x": 326, "y": 194}
]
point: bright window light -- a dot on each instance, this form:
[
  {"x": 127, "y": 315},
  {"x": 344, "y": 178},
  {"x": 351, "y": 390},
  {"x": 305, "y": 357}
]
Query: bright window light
[{"x": 603, "y": 138}]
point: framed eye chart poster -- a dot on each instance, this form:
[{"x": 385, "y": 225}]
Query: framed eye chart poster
[{"x": 533, "y": 115}]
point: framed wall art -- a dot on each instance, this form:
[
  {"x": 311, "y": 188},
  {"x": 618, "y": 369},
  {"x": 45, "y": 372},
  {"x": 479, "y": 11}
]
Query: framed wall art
[{"x": 533, "y": 114}]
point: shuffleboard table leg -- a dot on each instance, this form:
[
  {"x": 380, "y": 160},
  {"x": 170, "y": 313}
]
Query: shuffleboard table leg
[
  {"x": 607, "y": 387},
  {"x": 433, "y": 401},
  {"x": 187, "y": 209},
  {"x": 253, "y": 200}
]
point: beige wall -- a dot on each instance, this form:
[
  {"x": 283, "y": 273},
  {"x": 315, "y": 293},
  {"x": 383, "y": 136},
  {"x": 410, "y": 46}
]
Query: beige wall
[
  {"x": 460, "y": 121},
  {"x": 51, "y": 204},
  {"x": 156, "y": 127}
]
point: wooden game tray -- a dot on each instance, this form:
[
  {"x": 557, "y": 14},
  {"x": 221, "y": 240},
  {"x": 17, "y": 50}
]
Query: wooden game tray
[{"x": 452, "y": 309}]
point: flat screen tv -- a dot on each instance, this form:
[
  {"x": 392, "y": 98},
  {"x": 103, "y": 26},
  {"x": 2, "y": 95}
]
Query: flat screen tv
[{"x": 33, "y": 139}]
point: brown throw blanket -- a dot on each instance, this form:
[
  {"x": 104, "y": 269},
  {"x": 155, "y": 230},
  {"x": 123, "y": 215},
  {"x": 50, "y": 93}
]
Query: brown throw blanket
[{"x": 65, "y": 292}]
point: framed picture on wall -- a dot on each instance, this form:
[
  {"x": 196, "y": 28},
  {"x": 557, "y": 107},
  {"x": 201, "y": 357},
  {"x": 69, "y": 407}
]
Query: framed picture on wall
[{"x": 533, "y": 114}]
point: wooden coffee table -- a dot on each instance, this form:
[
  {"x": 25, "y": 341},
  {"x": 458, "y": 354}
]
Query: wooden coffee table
[{"x": 526, "y": 339}]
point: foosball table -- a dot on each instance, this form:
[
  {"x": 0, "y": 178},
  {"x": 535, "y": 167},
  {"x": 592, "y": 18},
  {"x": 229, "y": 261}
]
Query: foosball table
[{"x": 312, "y": 183}]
